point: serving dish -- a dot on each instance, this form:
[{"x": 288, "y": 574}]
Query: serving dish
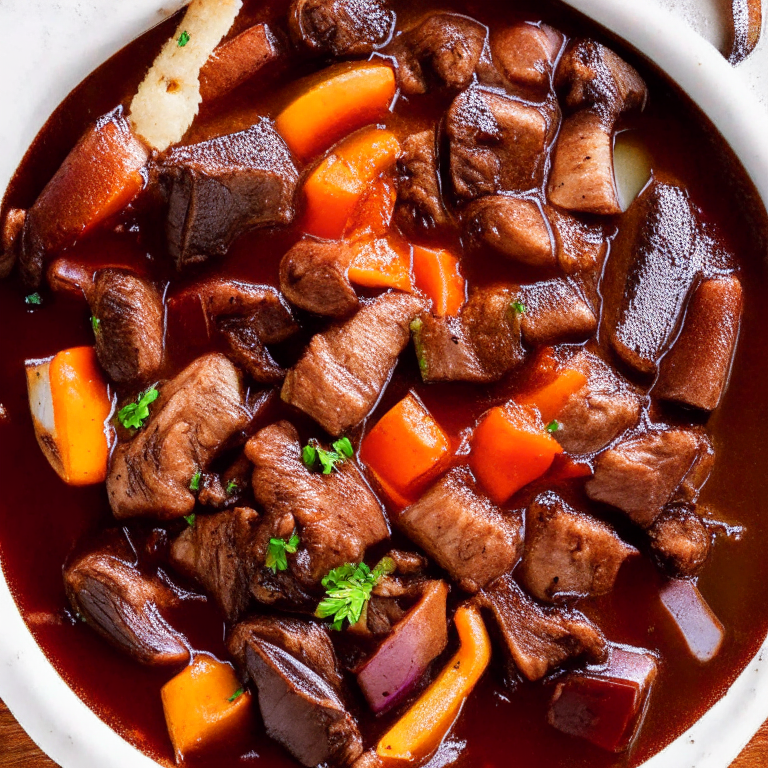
[{"x": 62, "y": 725}]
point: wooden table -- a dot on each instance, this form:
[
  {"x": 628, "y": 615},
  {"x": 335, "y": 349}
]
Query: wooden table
[{"x": 18, "y": 751}]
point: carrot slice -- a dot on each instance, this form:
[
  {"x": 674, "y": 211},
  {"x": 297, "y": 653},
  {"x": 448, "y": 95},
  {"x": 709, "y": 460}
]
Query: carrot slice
[
  {"x": 437, "y": 274},
  {"x": 336, "y": 187},
  {"x": 550, "y": 398},
  {"x": 374, "y": 212},
  {"x": 566, "y": 468},
  {"x": 382, "y": 263},
  {"x": 204, "y": 706},
  {"x": 423, "y": 727},
  {"x": 511, "y": 448},
  {"x": 404, "y": 448},
  {"x": 347, "y": 97}
]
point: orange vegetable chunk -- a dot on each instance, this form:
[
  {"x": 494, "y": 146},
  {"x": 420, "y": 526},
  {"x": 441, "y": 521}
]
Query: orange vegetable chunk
[
  {"x": 198, "y": 710},
  {"x": 382, "y": 263},
  {"x": 436, "y": 272},
  {"x": 420, "y": 731},
  {"x": 405, "y": 447},
  {"x": 374, "y": 212},
  {"x": 511, "y": 448},
  {"x": 550, "y": 398},
  {"x": 336, "y": 187},
  {"x": 347, "y": 97}
]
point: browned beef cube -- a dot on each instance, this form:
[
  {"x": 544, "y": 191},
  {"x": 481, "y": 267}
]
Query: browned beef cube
[
  {"x": 336, "y": 516},
  {"x": 640, "y": 475},
  {"x": 700, "y": 628},
  {"x": 313, "y": 277},
  {"x": 10, "y": 239},
  {"x": 293, "y": 666},
  {"x": 556, "y": 311},
  {"x": 419, "y": 198},
  {"x": 344, "y": 370},
  {"x": 496, "y": 144},
  {"x": 129, "y": 335},
  {"x": 246, "y": 349},
  {"x": 443, "y": 50},
  {"x": 123, "y": 604},
  {"x": 580, "y": 246},
  {"x": 600, "y": 411},
  {"x": 514, "y": 227},
  {"x": 222, "y": 187},
  {"x": 695, "y": 371},
  {"x": 341, "y": 27},
  {"x": 463, "y": 532},
  {"x": 196, "y": 416},
  {"x": 648, "y": 277},
  {"x": 539, "y": 639},
  {"x": 680, "y": 541},
  {"x": 482, "y": 345}
]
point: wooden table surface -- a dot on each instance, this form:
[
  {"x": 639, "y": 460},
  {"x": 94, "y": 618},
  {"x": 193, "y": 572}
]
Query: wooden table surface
[{"x": 18, "y": 751}]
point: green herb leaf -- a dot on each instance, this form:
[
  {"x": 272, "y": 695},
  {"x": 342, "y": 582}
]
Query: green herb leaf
[
  {"x": 278, "y": 551},
  {"x": 33, "y": 298},
  {"x": 190, "y": 520},
  {"x": 309, "y": 456},
  {"x": 312, "y": 454},
  {"x": 519, "y": 307},
  {"x": 133, "y": 415},
  {"x": 553, "y": 426},
  {"x": 344, "y": 448},
  {"x": 194, "y": 483},
  {"x": 236, "y": 695},
  {"x": 348, "y": 590},
  {"x": 183, "y": 39},
  {"x": 95, "y": 323},
  {"x": 232, "y": 487}
]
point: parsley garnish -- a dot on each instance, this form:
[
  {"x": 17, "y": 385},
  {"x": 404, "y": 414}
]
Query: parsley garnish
[
  {"x": 183, "y": 39},
  {"x": 33, "y": 298},
  {"x": 95, "y": 323},
  {"x": 519, "y": 307},
  {"x": 236, "y": 695},
  {"x": 133, "y": 415},
  {"x": 278, "y": 551},
  {"x": 553, "y": 426},
  {"x": 312, "y": 454},
  {"x": 348, "y": 589},
  {"x": 232, "y": 487},
  {"x": 194, "y": 483},
  {"x": 190, "y": 520}
]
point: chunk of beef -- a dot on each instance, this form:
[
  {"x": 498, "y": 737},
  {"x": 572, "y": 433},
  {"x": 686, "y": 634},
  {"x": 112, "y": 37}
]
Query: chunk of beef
[
  {"x": 600, "y": 411},
  {"x": 693, "y": 618},
  {"x": 514, "y": 227},
  {"x": 237, "y": 60},
  {"x": 556, "y": 311},
  {"x": 695, "y": 371},
  {"x": 290, "y": 662},
  {"x": 217, "y": 552},
  {"x": 336, "y": 515},
  {"x": 222, "y": 187},
  {"x": 496, "y": 144},
  {"x": 680, "y": 541},
  {"x": 122, "y": 604},
  {"x": 567, "y": 553},
  {"x": 313, "y": 277},
  {"x": 580, "y": 246},
  {"x": 10, "y": 239},
  {"x": 482, "y": 345},
  {"x": 443, "y": 50},
  {"x": 641, "y": 474},
  {"x": 368, "y": 759},
  {"x": 226, "y": 489},
  {"x": 419, "y": 196},
  {"x": 539, "y": 639},
  {"x": 129, "y": 336},
  {"x": 341, "y": 27},
  {"x": 463, "y": 531},
  {"x": 649, "y": 274},
  {"x": 196, "y": 415},
  {"x": 341, "y": 375},
  {"x": 245, "y": 349},
  {"x": 594, "y": 77}
]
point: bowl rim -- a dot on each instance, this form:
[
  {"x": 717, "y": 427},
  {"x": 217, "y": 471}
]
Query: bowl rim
[{"x": 50, "y": 711}]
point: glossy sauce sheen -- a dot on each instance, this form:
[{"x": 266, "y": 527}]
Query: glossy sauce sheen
[{"x": 41, "y": 519}]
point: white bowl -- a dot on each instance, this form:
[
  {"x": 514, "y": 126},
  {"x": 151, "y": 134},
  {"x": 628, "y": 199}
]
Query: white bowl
[{"x": 47, "y": 48}]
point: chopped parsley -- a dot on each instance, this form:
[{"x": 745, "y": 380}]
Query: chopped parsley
[
  {"x": 236, "y": 695},
  {"x": 278, "y": 551},
  {"x": 190, "y": 520},
  {"x": 553, "y": 426},
  {"x": 312, "y": 455},
  {"x": 232, "y": 487},
  {"x": 135, "y": 414},
  {"x": 95, "y": 323},
  {"x": 34, "y": 299},
  {"x": 348, "y": 589},
  {"x": 194, "y": 483},
  {"x": 183, "y": 39},
  {"x": 418, "y": 345},
  {"x": 519, "y": 307}
]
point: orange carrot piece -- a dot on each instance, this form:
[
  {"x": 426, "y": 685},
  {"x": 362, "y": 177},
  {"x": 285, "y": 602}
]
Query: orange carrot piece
[
  {"x": 81, "y": 405},
  {"x": 374, "y": 212},
  {"x": 436, "y": 273},
  {"x": 420, "y": 731},
  {"x": 405, "y": 447},
  {"x": 550, "y": 398},
  {"x": 511, "y": 448},
  {"x": 336, "y": 187},
  {"x": 345, "y": 98},
  {"x": 201, "y": 706},
  {"x": 566, "y": 468},
  {"x": 382, "y": 263}
]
